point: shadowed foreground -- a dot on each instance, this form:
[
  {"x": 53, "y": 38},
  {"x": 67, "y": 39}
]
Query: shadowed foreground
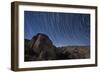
[{"x": 40, "y": 47}]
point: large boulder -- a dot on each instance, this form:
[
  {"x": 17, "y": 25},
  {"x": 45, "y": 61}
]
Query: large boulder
[{"x": 42, "y": 47}]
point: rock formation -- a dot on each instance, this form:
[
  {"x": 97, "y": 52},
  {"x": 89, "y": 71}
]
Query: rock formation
[{"x": 40, "y": 47}]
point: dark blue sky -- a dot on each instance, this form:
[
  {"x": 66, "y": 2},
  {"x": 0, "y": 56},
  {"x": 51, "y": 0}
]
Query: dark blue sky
[{"x": 62, "y": 28}]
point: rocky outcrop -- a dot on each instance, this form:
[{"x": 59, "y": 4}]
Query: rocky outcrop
[{"x": 40, "y": 47}]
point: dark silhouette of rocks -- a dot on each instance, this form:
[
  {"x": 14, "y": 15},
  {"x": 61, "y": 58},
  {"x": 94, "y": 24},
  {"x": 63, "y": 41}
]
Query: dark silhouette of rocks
[{"x": 40, "y": 47}]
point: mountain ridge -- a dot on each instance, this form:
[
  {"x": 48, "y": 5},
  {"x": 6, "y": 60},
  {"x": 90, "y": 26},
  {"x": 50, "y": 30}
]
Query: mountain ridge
[{"x": 40, "y": 47}]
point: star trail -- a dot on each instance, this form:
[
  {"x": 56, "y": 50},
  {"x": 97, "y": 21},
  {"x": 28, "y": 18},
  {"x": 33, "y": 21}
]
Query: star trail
[{"x": 63, "y": 29}]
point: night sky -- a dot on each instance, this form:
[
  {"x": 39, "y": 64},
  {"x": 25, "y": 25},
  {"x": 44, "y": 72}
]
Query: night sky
[{"x": 64, "y": 29}]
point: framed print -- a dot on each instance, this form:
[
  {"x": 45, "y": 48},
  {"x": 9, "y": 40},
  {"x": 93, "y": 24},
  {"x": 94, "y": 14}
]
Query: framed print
[{"x": 52, "y": 36}]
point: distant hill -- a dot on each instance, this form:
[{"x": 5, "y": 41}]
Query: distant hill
[
  {"x": 76, "y": 52},
  {"x": 40, "y": 47}
]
